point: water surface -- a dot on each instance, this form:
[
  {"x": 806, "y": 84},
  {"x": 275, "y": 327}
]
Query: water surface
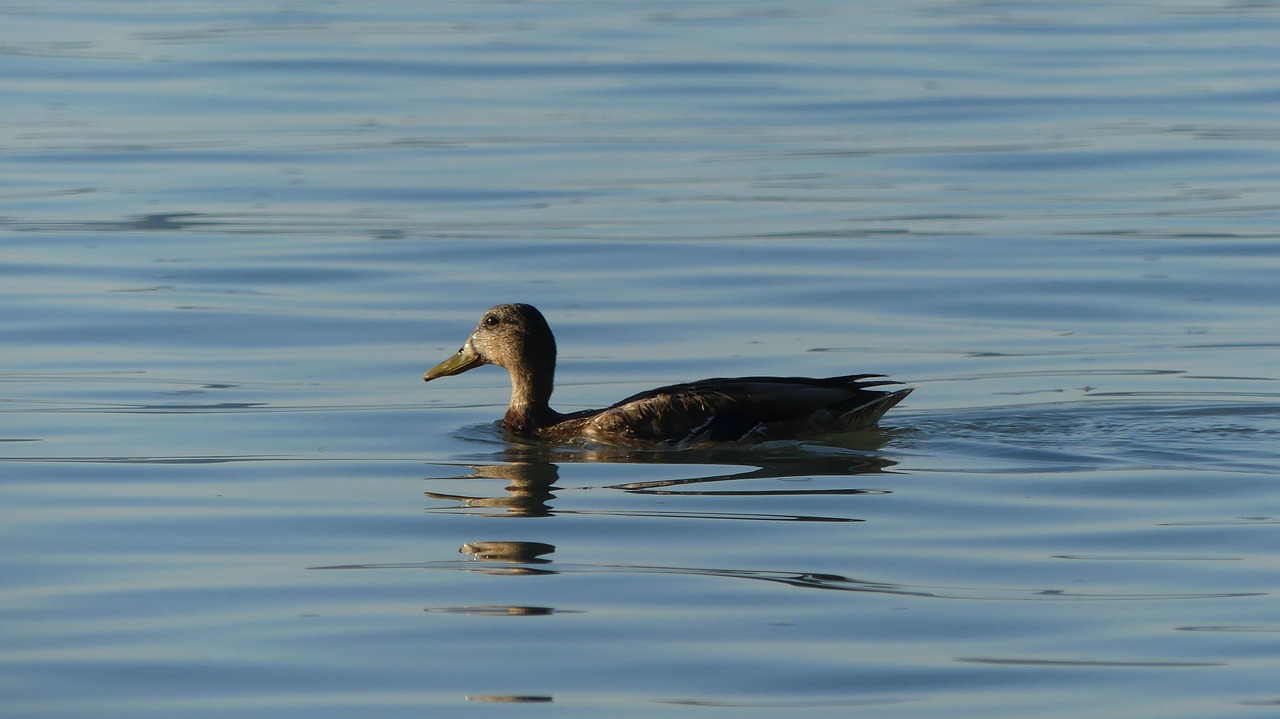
[{"x": 233, "y": 238}]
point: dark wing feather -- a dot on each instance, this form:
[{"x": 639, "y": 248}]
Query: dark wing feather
[{"x": 724, "y": 409}]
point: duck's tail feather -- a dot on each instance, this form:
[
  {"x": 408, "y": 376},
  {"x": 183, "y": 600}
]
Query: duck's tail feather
[{"x": 867, "y": 415}]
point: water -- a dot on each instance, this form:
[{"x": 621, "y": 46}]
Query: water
[{"x": 234, "y": 237}]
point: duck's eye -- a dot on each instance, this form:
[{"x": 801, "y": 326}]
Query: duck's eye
[{"x": 491, "y": 321}]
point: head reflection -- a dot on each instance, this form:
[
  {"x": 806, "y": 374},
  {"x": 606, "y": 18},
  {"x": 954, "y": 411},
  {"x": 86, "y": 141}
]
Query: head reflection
[{"x": 528, "y": 492}]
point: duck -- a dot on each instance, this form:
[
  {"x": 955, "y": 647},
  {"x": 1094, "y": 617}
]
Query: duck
[{"x": 743, "y": 410}]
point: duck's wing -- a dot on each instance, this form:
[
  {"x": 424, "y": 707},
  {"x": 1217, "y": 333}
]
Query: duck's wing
[{"x": 727, "y": 410}]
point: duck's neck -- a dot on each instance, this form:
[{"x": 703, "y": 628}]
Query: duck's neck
[{"x": 530, "y": 408}]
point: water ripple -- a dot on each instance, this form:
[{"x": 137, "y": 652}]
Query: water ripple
[{"x": 810, "y": 580}]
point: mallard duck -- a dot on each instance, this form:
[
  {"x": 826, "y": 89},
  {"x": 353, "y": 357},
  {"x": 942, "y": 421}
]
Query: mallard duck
[{"x": 517, "y": 338}]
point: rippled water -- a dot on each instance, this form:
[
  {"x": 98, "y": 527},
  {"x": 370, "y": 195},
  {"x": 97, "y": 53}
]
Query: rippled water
[{"x": 234, "y": 237}]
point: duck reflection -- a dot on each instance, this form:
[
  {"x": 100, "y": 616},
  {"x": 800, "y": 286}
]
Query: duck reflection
[
  {"x": 784, "y": 468},
  {"x": 508, "y": 559},
  {"x": 532, "y": 471},
  {"x": 522, "y": 552},
  {"x": 528, "y": 494}
]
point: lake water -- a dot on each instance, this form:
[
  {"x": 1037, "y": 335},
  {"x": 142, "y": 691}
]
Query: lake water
[{"x": 234, "y": 235}]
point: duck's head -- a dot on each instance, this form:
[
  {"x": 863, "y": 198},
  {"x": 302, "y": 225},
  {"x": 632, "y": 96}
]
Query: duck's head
[{"x": 515, "y": 337}]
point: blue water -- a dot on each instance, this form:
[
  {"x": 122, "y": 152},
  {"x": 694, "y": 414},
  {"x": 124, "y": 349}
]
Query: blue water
[{"x": 232, "y": 237}]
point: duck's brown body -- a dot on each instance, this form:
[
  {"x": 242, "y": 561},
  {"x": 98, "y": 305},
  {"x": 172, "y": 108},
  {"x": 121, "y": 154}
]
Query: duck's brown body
[{"x": 518, "y": 338}]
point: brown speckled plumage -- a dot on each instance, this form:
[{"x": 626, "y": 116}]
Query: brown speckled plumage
[{"x": 743, "y": 409}]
